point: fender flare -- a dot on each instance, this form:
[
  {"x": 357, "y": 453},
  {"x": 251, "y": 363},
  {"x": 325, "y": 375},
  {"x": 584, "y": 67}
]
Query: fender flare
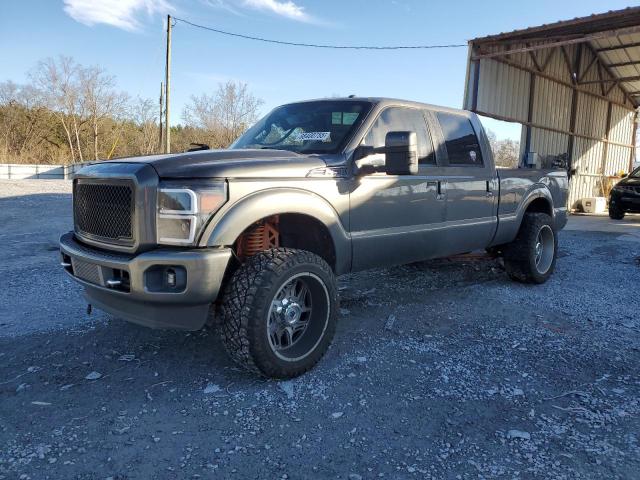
[
  {"x": 538, "y": 190},
  {"x": 234, "y": 219},
  {"x": 509, "y": 226}
]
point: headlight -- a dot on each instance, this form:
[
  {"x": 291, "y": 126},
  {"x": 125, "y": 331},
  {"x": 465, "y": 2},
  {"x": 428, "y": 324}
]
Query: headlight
[{"x": 184, "y": 209}]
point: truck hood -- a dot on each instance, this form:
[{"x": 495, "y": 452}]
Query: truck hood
[
  {"x": 630, "y": 181},
  {"x": 231, "y": 164}
]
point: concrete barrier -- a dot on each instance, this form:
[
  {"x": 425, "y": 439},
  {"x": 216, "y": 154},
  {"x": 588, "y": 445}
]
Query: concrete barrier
[{"x": 15, "y": 171}]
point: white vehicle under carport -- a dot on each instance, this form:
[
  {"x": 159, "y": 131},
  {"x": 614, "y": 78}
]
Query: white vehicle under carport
[{"x": 253, "y": 237}]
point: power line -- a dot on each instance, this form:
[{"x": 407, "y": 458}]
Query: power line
[{"x": 315, "y": 45}]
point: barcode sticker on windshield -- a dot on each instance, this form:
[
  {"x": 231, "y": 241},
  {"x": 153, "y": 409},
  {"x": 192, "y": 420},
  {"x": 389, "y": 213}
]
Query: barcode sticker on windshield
[{"x": 313, "y": 136}]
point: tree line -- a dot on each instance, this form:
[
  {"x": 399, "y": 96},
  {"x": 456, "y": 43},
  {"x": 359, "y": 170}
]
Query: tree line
[
  {"x": 69, "y": 113},
  {"x": 505, "y": 151}
]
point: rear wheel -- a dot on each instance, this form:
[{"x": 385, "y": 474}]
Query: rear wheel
[
  {"x": 279, "y": 312},
  {"x": 531, "y": 257},
  {"x": 615, "y": 213}
]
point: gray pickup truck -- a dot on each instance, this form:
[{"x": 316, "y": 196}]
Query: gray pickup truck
[{"x": 252, "y": 238}]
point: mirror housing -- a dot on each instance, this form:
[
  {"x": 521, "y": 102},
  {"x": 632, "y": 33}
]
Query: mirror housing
[
  {"x": 401, "y": 155},
  {"x": 401, "y": 149}
]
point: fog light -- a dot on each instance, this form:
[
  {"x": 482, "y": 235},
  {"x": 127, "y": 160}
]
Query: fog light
[
  {"x": 165, "y": 278},
  {"x": 171, "y": 277}
]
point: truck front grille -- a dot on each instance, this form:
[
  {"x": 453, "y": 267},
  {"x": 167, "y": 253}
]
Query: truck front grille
[{"x": 104, "y": 212}]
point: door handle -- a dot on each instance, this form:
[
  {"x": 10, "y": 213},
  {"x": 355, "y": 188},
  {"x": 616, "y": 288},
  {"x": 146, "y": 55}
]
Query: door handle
[{"x": 489, "y": 191}]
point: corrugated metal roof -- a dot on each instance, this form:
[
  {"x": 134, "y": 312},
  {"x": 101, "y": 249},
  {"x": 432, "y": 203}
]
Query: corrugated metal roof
[
  {"x": 599, "y": 22},
  {"x": 614, "y": 36}
]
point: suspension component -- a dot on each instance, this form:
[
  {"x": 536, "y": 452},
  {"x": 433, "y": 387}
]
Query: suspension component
[{"x": 261, "y": 236}]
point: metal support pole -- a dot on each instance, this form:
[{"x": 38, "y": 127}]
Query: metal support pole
[
  {"x": 532, "y": 92},
  {"x": 632, "y": 157},
  {"x": 574, "y": 106},
  {"x": 605, "y": 148},
  {"x": 161, "y": 114},
  {"x": 167, "y": 123},
  {"x": 476, "y": 83}
]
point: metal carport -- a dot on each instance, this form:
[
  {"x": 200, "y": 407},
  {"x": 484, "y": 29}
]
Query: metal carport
[{"x": 574, "y": 86}]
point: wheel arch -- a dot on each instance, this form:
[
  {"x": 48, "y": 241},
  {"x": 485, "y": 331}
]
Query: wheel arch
[
  {"x": 539, "y": 204},
  {"x": 537, "y": 199},
  {"x": 293, "y": 205}
]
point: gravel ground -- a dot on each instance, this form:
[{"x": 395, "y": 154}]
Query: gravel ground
[{"x": 443, "y": 370}]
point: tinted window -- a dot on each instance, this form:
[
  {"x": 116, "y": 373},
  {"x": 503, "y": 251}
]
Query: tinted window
[
  {"x": 308, "y": 127},
  {"x": 460, "y": 139},
  {"x": 402, "y": 119}
]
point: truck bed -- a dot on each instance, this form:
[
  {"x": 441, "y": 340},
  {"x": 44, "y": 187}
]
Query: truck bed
[{"x": 517, "y": 185}]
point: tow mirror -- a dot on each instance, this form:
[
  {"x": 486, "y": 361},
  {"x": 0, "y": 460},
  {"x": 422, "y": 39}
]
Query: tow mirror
[
  {"x": 401, "y": 150},
  {"x": 401, "y": 155}
]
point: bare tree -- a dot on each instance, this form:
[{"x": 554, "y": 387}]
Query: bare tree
[
  {"x": 143, "y": 113},
  {"x": 238, "y": 109},
  {"x": 223, "y": 115},
  {"x": 68, "y": 112},
  {"x": 99, "y": 99},
  {"x": 24, "y": 124},
  {"x": 201, "y": 112},
  {"x": 57, "y": 81},
  {"x": 505, "y": 150}
]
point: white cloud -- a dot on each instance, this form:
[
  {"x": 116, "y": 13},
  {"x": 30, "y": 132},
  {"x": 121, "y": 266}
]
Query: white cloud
[
  {"x": 118, "y": 13},
  {"x": 283, "y": 8},
  {"x": 221, "y": 4},
  {"x": 286, "y": 9}
]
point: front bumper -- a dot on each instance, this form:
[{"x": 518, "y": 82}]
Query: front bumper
[
  {"x": 628, "y": 201},
  {"x": 133, "y": 287}
]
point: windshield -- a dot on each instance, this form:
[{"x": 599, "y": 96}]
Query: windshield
[
  {"x": 635, "y": 173},
  {"x": 310, "y": 127}
]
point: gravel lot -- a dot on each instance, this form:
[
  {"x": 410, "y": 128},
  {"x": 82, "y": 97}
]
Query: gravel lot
[{"x": 439, "y": 370}]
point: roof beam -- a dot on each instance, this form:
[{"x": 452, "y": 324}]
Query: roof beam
[
  {"x": 622, "y": 64},
  {"x": 618, "y": 47},
  {"x": 570, "y": 67},
  {"x": 547, "y": 60},
  {"x": 534, "y": 59},
  {"x": 586, "y": 70},
  {"x": 562, "y": 82},
  {"x": 608, "y": 70},
  {"x": 613, "y": 85},
  {"x": 556, "y": 130},
  {"x": 602, "y": 89},
  {"x": 608, "y": 80}
]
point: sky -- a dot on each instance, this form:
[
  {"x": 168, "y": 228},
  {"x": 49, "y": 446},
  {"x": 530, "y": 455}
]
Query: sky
[{"x": 127, "y": 38}]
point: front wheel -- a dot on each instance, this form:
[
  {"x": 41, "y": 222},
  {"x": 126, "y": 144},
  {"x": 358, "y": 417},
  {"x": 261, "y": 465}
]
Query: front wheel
[
  {"x": 615, "y": 213},
  {"x": 279, "y": 312},
  {"x": 531, "y": 257}
]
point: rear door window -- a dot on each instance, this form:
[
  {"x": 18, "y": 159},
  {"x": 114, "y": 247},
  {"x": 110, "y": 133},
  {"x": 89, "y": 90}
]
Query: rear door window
[
  {"x": 461, "y": 141},
  {"x": 396, "y": 119}
]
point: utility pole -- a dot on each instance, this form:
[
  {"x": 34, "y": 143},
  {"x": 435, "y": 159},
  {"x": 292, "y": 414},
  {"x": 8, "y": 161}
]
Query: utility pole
[
  {"x": 161, "y": 114},
  {"x": 167, "y": 85}
]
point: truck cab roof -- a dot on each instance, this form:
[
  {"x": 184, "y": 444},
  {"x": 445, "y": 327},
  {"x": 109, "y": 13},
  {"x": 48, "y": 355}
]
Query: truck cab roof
[{"x": 390, "y": 101}]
